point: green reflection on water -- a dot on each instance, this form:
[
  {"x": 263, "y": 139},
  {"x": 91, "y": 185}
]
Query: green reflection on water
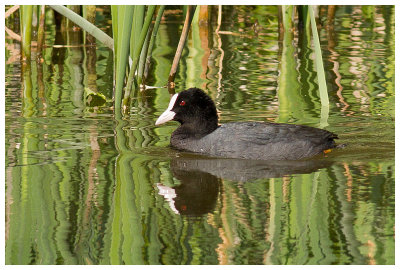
[{"x": 82, "y": 188}]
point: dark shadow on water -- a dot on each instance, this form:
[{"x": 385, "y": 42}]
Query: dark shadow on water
[
  {"x": 245, "y": 170},
  {"x": 200, "y": 179}
]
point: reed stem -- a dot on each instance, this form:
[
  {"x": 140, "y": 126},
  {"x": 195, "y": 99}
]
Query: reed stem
[
  {"x": 26, "y": 32},
  {"x": 124, "y": 21},
  {"x": 152, "y": 40},
  {"x": 138, "y": 48},
  {"x": 188, "y": 20},
  {"x": 323, "y": 90},
  {"x": 40, "y": 40},
  {"x": 85, "y": 25}
]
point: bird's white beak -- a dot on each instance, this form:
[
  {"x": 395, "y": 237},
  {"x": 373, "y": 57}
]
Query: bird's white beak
[{"x": 168, "y": 115}]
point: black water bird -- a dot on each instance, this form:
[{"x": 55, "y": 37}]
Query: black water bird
[{"x": 200, "y": 133}]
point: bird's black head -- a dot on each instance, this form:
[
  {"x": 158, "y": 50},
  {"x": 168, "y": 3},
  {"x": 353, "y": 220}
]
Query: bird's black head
[{"x": 194, "y": 109}]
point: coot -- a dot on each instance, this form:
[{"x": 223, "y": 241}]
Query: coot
[{"x": 200, "y": 133}]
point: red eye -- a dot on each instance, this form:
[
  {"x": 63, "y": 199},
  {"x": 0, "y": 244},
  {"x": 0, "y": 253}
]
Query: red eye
[{"x": 182, "y": 103}]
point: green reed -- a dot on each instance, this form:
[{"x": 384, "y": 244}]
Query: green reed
[
  {"x": 323, "y": 90},
  {"x": 26, "y": 12},
  {"x": 138, "y": 48},
  {"x": 318, "y": 60},
  {"x": 122, "y": 26}
]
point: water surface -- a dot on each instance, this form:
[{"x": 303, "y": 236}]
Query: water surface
[{"x": 83, "y": 188}]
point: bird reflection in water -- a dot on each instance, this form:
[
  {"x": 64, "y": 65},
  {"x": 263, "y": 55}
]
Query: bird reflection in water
[
  {"x": 195, "y": 196},
  {"x": 200, "y": 179}
]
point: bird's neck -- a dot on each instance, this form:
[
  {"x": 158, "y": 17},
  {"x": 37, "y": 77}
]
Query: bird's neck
[{"x": 196, "y": 129}]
